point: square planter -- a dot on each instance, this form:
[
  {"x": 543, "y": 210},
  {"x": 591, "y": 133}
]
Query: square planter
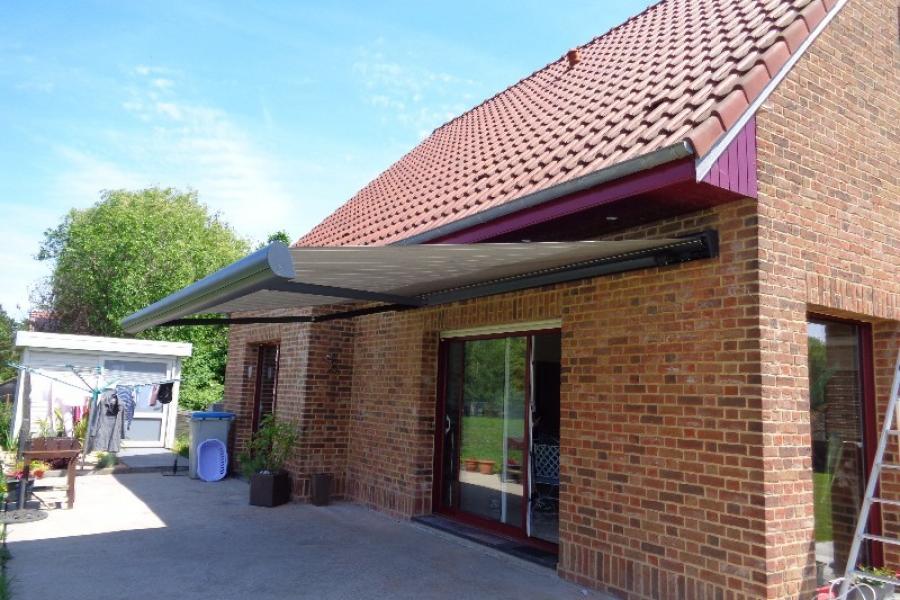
[{"x": 270, "y": 489}]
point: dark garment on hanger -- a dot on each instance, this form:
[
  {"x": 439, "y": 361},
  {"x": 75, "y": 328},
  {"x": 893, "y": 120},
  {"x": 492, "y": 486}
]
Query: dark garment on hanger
[
  {"x": 108, "y": 428},
  {"x": 165, "y": 392}
]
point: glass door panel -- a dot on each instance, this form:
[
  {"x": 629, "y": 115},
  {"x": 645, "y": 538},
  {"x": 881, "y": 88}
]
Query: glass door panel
[
  {"x": 148, "y": 428},
  {"x": 491, "y": 423},
  {"x": 836, "y": 416}
]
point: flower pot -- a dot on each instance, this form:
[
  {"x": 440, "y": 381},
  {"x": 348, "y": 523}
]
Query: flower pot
[
  {"x": 486, "y": 467},
  {"x": 471, "y": 464},
  {"x": 270, "y": 489}
]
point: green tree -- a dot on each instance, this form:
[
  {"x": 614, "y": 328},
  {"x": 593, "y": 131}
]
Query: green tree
[
  {"x": 279, "y": 236},
  {"x": 129, "y": 250},
  {"x": 7, "y": 344}
]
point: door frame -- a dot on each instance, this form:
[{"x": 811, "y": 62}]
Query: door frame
[
  {"x": 520, "y": 532},
  {"x": 257, "y": 385},
  {"x": 869, "y": 417}
]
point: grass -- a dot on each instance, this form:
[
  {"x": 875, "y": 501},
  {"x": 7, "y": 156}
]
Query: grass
[
  {"x": 106, "y": 459},
  {"x": 182, "y": 446},
  {"x": 482, "y": 439},
  {"x": 822, "y": 506},
  {"x": 5, "y": 581}
]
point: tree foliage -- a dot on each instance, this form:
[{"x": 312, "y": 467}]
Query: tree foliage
[
  {"x": 7, "y": 345},
  {"x": 488, "y": 364},
  {"x": 129, "y": 250},
  {"x": 279, "y": 236}
]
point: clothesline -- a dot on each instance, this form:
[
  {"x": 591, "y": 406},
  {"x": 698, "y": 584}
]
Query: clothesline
[
  {"x": 96, "y": 391},
  {"x": 41, "y": 371}
]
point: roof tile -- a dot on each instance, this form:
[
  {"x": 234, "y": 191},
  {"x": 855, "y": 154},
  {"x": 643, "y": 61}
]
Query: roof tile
[{"x": 682, "y": 70}]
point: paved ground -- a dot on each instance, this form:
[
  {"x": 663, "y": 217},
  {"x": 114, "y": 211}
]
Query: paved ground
[
  {"x": 145, "y": 536},
  {"x": 150, "y": 459}
]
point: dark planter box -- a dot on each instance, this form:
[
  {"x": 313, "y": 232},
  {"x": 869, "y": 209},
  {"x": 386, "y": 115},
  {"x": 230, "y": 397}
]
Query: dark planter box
[
  {"x": 270, "y": 489},
  {"x": 320, "y": 489}
]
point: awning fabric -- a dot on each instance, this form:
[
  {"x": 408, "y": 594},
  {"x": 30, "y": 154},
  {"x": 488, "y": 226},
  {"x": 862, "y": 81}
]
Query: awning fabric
[{"x": 278, "y": 277}]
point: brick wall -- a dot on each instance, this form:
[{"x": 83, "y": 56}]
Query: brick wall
[
  {"x": 313, "y": 391},
  {"x": 686, "y": 430},
  {"x": 661, "y": 449},
  {"x": 828, "y": 213}
]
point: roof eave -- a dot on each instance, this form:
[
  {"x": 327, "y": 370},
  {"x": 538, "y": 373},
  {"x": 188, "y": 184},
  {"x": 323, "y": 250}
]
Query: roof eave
[{"x": 674, "y": 152}]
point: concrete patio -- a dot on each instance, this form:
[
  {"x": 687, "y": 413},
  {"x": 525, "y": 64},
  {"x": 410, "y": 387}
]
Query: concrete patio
[{"x": 145, "y": 536}]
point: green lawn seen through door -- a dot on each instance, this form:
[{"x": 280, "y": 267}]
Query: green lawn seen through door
[{"x": 482, "y": 439}]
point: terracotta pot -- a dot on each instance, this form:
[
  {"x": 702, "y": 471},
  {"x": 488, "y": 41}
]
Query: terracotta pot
[
  {"x": 471, "y": 464},
  {"x": 486, "y": 467}
]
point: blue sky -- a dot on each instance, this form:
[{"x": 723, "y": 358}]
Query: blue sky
[{"x": 276, "y": 112}]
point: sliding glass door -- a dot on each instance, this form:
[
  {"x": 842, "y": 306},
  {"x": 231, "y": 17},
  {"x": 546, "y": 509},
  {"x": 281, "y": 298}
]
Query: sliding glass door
[{"x": 485, "y": 442}]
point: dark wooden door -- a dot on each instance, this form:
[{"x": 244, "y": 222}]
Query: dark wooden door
[{"x": 266, "y": 390}]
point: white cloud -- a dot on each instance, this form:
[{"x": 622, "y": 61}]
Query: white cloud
[
  {"x": 190, "y": 144},
  {"x": 411, "y": 95}
]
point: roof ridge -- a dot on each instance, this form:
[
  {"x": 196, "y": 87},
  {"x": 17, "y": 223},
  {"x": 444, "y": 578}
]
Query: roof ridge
[{"x": 650, "y": 7}]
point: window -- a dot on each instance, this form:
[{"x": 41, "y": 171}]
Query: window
[{"x": 838, "y": 417}]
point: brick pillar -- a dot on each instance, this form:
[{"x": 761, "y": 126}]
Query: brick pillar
[
  {"x": 323, "y": 407},
  {"x": 313, "y": 391}
]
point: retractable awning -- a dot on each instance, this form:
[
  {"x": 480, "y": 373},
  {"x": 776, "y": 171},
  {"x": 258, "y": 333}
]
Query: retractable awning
[{"x": 398, "y": 277}]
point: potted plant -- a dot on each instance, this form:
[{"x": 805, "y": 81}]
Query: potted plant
[
  {"x": 263, "y": 461},
  {"x": 486, "y": 467},
  {"x": 471, "y": 464}
]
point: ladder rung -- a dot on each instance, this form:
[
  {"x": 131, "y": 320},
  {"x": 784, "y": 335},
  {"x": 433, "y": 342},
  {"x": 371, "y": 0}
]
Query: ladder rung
[
  {"x": 882, "y": 539},
  {"x": 894, "y": 432},
  {"x": 886, "y": 501},
  {"x": 879, "y": 578},
  {"x": 889, "y": 467}
]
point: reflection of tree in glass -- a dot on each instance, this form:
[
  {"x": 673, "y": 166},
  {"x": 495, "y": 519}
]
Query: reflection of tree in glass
[
  {"x": 819, "y": 373},
  {"x": 486, "y": 374}
]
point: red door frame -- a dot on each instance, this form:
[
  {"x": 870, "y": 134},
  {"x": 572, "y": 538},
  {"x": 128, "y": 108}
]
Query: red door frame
[
  {"x": 869, "y": 409},
  {"x": 519, "y": 533}
]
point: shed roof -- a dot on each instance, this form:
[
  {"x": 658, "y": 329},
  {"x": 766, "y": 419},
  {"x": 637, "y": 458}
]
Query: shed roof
[
  {"x": 105, "y": 345},
  {"x": 681, "y": 73}
]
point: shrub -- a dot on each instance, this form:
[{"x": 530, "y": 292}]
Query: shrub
[{"x": 270, "y": 447}]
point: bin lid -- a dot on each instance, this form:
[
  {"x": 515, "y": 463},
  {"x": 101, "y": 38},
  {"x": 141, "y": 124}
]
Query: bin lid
[{"x": 208, "y": 415}]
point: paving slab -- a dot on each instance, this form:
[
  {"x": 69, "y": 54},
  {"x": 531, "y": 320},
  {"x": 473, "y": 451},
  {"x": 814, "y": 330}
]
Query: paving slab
[
  {"x": 143, "y": 536},
  {"x": 150, "y": 459}
]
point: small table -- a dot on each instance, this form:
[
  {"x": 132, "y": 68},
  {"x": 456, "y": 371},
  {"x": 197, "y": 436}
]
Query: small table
[{"x": 52, "y": 449}]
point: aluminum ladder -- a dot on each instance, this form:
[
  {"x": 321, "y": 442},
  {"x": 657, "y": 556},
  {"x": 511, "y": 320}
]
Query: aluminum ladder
[{"x": 889, "y": 430}]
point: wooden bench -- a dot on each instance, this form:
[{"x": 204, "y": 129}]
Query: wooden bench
[{"x": 45, "y": 449}]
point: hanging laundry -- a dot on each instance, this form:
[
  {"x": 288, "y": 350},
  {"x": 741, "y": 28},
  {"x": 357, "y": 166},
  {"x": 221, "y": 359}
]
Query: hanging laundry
[
  {"x": 154, "y": 394},
  {"x": 126, "y": 398},
  {"x": 165, "y": 392},
  {"x": 144, "y": 399},
  {"x": 41, "y": 400},
  {"x": 108, "y": 428},
  {"x": 69, "y": 395}
]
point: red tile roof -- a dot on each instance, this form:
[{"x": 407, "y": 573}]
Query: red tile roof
[{"x": 681, "y": 70}]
